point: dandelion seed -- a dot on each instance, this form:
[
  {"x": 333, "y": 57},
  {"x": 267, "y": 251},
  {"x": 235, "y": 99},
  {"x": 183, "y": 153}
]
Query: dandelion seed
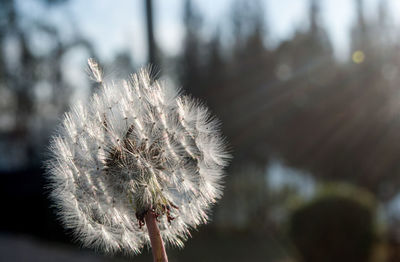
[
  {"x": 95, "y": 71},
  {"x": 137, "y": 149}
]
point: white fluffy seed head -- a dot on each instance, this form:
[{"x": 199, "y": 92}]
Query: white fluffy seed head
[{"x": 136, "y": 146}]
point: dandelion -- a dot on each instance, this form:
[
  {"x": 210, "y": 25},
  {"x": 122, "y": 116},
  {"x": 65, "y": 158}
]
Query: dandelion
[{"x": 138, "y": 164}]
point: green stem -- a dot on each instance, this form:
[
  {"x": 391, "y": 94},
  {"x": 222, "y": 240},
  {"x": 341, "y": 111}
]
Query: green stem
[{"x": 157, "y": 244}]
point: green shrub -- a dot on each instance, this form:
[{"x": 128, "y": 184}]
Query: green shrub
[{"x": 338, "y": 225}]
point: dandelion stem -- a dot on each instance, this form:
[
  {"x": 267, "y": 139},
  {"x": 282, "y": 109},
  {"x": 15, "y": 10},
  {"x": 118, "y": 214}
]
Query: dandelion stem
[{"x": 157, "y": 244}]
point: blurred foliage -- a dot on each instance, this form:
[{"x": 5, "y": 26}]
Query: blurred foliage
[
  {"x": 337, "y": 225},
  {"x": 245, "y": 200},
  {"x": 348, "y": 191},
  {"x": 34, "y": 90},
  {"x": 336, "y": 119},
  {"x": 250, "y": 204}
]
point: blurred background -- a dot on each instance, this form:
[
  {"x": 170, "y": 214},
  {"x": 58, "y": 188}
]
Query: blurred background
[{"x": 308, "y": 92}]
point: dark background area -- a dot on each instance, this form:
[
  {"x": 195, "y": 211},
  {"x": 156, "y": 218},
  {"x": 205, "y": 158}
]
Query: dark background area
[{"x": 311, "y": 134}]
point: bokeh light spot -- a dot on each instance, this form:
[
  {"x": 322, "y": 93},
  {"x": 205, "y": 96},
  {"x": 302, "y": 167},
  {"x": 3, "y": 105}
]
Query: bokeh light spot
[{"x": 358, "y": 57}]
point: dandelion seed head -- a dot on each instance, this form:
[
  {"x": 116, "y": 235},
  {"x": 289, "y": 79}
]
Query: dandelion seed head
[{"x": 136, "y": 146}]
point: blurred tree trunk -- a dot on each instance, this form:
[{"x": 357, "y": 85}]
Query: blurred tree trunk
[{"x": 152, "y": 57}]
